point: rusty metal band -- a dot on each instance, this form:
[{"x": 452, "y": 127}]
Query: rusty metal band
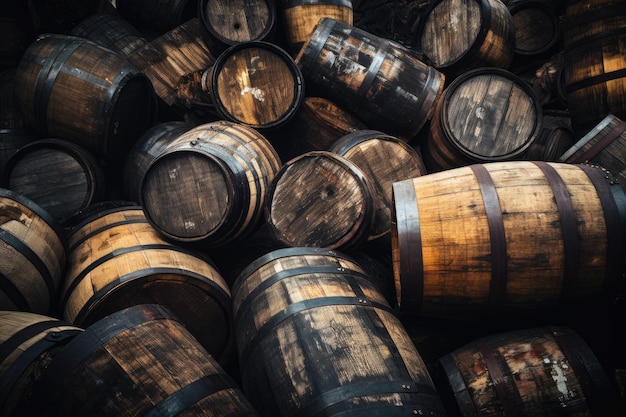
[
  {"x": 507, "y": 397},
  {"x": 372, "y": 71},
  {"x": 497, "y": 238},
  {"x": 602, "y": 143},
  {"x": 569, "y": 229},
  {"x": 409, "y": 245}
]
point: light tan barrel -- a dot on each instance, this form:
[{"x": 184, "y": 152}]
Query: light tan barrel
[
  {"x": 32, "y": 255},
  {"x": 506, "y": 239},
  {"x": 316, "y": 337},
  {"x": 118, "y": 260},
  {"x": 28, "y": 341}
]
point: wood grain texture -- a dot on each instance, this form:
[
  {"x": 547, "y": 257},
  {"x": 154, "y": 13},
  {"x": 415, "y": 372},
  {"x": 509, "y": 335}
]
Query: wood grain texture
[
  {"x": 72, "y": 88},
  {"x": 145, "y": 150},
  {"x": 457, "y": 35},
  {"x": 555, "y": 137},
  {"x": 320, "y": 199},
  {"x": 300, "y": 18},
  {"x": 256, "y": 83},
  {"x": 117, "y": 260},
  {"x": 33, "y": 255},
  {"x": 537, "y": 28},
  {"x": 316, "y": 337},
  {"x": 539, "y": 371},
  {"x": 58, "y": 175},
  {"x": 604, "y": 145},
  {"x": 139, "y": 361},
  {"x": 383, "y": 159},
  {"x": 362, "y": 73},
  {"x": 594, "y": 73},
  {"x": 226, "y": 23},
  {"x": 210, "y": 184},
  {"x": 28, "y": 342},
  {"x": 526, "y": 244},
  {"x": 484, "y": 115}
]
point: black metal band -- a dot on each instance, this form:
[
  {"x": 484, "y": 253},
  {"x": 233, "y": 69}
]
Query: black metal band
[
  {"x": 602, "y": 143},
  {"x": 497, "y": 376},
  {"x": 13, "y": 292}
]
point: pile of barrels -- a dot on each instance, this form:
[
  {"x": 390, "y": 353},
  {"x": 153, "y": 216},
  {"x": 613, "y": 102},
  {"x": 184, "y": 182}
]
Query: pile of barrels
[{"x": 279, "y": 208}]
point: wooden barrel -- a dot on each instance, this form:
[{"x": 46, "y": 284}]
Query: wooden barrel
[
  {"x": 320, "y": 199},
  {"x": 458, "y": 35},
  {"x": 555, "y": 137},
  {"x": 595, "y": 63},
  {"x": 141, "y": 361},
  {"x": 146, "y": 149},
  {"x": 604, "y": 145},
  {"x": 117, "y": 260},
  {"x": 33, "y": 255},
  {"x": 383, "y": 159},
  {"x": 159, "y": 17},
  {"x": 111, "y": 30},
  {"x": 316, "y": 125},
  {"x": 58, "y": 175},
  {"x": 268, "y": 93},
  {"x": 542, "y": 371},
  {"x": 484, "y": 115},
  {"x": 72, "y": 88},
  {"x": 537, "y": 28},
  {"x": 301, "y": 16},
  {"x": 27, "y": 343},
  {"x": 225, "y": 23},
  {"x": 315, "y": 337},
  {"x": 364, "y": 73},
  {"x": 209, "y": 186},
  {"x": 506, "y": 239}
]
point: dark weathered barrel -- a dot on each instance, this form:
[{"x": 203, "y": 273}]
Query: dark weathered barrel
[
  {"x": 383, "y": 159},
  {"x": 594, "y": 73},
  {"x": 555, "y": 137},
  {"x": 28, "y": 342},
  {"x": 225, "y": 23},
  {"x": 71, "y": 88},
  {"x": 320, "y": 199},
  {"x": 316, "y": 337},
  {"x": 140, "y": 361},
  {"x": 456, "y": 36},
  {"x": 543, "y": 371},
  {"x": 210, "y": 185},
  {"x": 58, "y": 175},
  {"x": 117, "y": 260},
  {"x": 537, "y": 28},
  {"x": 33, "y": 255},
  {"x": 364, "y": 73},
  {"x": 507, "y": 239},
  {"x": 484, "y": 115}
]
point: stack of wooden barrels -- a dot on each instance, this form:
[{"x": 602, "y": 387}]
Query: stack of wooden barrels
[{"x": 303, "y": 208}]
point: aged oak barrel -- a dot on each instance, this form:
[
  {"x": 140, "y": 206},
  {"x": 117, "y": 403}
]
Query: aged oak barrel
[
  {"x": 225, "y": 23},
  {"x": 458, "y": 35},
  {"x": 537, "y": 27},
  {"x": 209, "y": 186},
  {"x": 58, "y": 175},
  {"x": 320, "y": 199},
  {"x": 604, "y": 145},
  {"x": 555, "y": 137},
  {"x": 594, "y": 73},
  {"x": 484, "y": 115},
  {"x": 363, "y": 73},
  {"x": 28, "y": 341},
  {"x": 32, "y": 255},
  {"x": 300, "y": 17},
  {"x": 145, "y": 150},
  {"x": 71, "y": 88},
  {"x": 383, "y": 159},
  {"x": 542, "y": 371},
  {"x": 111, "y": 30},
  {"x": 315, "y": 337},
  {"x": 256, "y": 83},
  {"x": 506, "y": 239},
  {"x": 117, "y": 260},
  {"x": 141, "y": 361}
]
